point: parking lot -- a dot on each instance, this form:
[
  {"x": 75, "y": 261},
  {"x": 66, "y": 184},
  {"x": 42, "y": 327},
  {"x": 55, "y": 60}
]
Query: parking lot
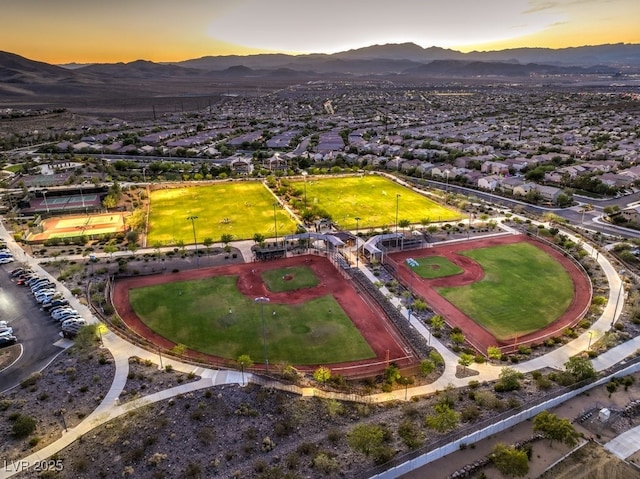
[{"x": 32, "y": 327}]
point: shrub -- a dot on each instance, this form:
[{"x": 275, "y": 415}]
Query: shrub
[{"x": 23, "y": 426}]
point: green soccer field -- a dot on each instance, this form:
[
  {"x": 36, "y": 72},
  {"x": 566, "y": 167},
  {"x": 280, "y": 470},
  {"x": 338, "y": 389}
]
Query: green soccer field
[
  {"x": 523, "y": 290},
  {"x": 212, "y": 316},
  {"x": 237, "y": 208},
  {"x": 373, "y": 199}
]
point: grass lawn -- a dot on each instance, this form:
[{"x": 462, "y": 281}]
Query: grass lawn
[
  {"x": 435, "y": 267},
  {"x": 237, "y": 208},
  {"x": 523, "y": 290},
  {"x": 289, "y": 279},
  {"x": 197, "y": 314},
  {"x": 373, "y": 199}
]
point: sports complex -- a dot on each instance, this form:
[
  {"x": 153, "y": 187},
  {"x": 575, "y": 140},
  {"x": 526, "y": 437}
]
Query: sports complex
[{"x": 311, "y": 308}]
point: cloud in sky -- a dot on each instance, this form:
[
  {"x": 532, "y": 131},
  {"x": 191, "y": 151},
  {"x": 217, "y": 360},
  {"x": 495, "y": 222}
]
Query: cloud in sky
[
  {"x": 335, "y": 25},
  {"x": 166, "y": 30}
]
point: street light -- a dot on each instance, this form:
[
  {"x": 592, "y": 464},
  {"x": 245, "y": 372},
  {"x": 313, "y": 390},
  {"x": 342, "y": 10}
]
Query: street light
[
  {"x": 44, "y": 194},
  {"x": 357, "y": 232},
  {"x": 262, "y": 300},
  {"x": 590, "y": 336},
  {"x": 195, "y": 241},
  {"x": 615, "y": 311}
]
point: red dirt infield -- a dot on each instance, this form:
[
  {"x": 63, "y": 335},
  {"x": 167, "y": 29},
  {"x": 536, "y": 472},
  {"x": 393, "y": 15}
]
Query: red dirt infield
[
  {"x": 475, "y": 334},
  {"x": 368, "y": 318}
]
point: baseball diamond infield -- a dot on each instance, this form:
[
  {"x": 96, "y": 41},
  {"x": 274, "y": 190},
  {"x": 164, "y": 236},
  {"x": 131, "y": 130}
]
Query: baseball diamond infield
[
  {"x": 370, "y": 321},
  {"x": 475, "y": 334}
]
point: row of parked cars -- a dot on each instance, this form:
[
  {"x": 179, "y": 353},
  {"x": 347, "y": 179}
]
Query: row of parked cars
[
  {"x": 51, "y": 300},
  {"x": 5, "y": 253}
]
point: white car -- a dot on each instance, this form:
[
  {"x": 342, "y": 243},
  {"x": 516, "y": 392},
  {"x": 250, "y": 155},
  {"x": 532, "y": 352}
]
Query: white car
[
  {"x": 68, "y": 322},
  {"x": 6, "y": 331},
  {"x": 58, "y": 313},
  {"x": 4, "y": 324},
  {"x": 6, "y": 260},
  {"x": 70, "y": 315}
]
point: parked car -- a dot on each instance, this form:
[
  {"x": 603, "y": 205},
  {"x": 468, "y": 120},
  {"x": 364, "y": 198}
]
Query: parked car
[
  {"x": 66, "y": 315},
  {"x": 69, "y": 322},
  {"x": 4, "y": 324},
  {"x": 56, "y": 313},
  {"x": 41, "y": 286},
  {"x": 54, "y": 303},
  {"x": 8, "y": 340},
  {"x": 41, "y": 298},
  {"x": 24, "y": 277},
  {"x": 6, "y": 330},
  {"x": 18, "y": 271},
  {"x": 6, "y": 260}
]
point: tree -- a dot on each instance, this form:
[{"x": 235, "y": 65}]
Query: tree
[
  {"x": 510, "y": 461},
  {"x": 444, "y": 419},
  {"x": 465, "y": 360},
  {"x": 392, "y": 374},
  {"x": 207, "y": 242},
  {"x": 258, "y": 239},
  {"x": 110, "y": 248},
  {"x": 404, "y": 223},
  {"x": 322, "y": 374},
  {"x": 580, "y": 368},
  {"x": 225, "y": 239},
  {"x": 555, "y": 429},
  {"x": 245, "y": 361}
]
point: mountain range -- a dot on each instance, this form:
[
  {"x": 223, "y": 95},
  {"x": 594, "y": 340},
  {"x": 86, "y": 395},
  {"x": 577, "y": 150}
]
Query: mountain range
[{"x": 29, "y": 81}]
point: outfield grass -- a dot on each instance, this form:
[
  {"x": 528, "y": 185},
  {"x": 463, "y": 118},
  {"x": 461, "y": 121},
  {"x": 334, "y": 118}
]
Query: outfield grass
[
  {"x": 373, "y": 199},
  {"x": 523, "y": 290},
  {"x": 289, "y": 279},
  {"x": 196, "y": 313},
  {"x": 435, "y": 267},
  {"x": 237, "y": 208}
]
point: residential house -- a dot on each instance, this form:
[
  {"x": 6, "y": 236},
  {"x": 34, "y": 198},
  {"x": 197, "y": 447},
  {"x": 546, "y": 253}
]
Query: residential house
[{"x": 489, "y": 182}]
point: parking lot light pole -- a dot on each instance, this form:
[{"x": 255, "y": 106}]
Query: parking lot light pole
[
  {"x": 262, "y": 300},
  {"x": 195, "y": 241}
]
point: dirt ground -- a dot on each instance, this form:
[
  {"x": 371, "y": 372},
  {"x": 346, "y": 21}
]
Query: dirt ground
[{"x": 591, "y": 461}]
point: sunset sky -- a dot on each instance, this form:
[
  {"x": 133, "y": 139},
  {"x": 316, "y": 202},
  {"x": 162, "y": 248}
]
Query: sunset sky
[{"x": 85, "y": 31}]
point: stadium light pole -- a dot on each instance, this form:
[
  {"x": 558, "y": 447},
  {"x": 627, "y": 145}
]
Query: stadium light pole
[
  {"x": 275, "y": 222},
  {"x": 397, "y": 204},
  {"x": 262, "y": 300},
  {"x": 304, "y": 175},
  {"x": 82, "y": 196},
  {"x": 195, "y": 241},
  {"x": 357, "y": 232},
  {"x": 44, "y": 194}
]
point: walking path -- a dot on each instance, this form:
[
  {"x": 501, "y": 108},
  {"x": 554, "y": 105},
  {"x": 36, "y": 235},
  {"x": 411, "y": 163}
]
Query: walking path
[{"x": 122, "y": 350}]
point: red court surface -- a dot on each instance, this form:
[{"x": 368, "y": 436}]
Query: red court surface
[
  {"x": 475, "y": 334},
  {"x": 368, "y": 318}
]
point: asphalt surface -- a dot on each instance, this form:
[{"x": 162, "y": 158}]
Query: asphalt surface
[{"x": 33, "y": 327}]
